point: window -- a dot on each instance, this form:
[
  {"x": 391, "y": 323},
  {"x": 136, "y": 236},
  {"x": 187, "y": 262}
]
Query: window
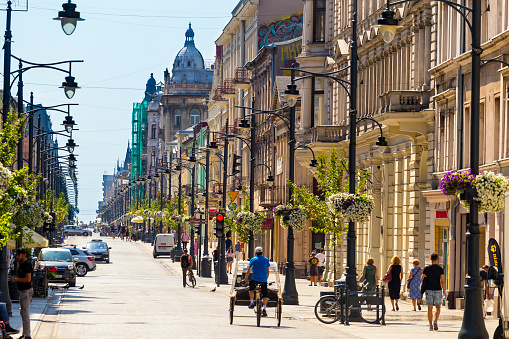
[
  {"x": 195, "y": 117},
  {"x": 317, "y": 103},
  {"x": 177, "y": 119},
  {"x": 153, "y": 159},
  {"x": 153, "y": 131},
  {"x": 319, "y": 21}
]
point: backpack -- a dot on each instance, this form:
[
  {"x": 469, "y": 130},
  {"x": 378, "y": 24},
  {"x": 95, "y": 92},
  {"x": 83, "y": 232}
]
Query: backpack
[{"x": 184, "y": 260}]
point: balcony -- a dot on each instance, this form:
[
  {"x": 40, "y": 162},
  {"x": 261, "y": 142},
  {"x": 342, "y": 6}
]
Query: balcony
[
  {"x": 402, "y": 101},
  {"x": 241, "y": 80},
  {"x": 330, "y": 133},
  {"x": 228, "y": 90},
  {"x": 270, "y": 197}
]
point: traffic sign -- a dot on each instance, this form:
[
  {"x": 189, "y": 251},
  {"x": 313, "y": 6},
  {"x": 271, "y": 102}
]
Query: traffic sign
[{"x": 197, "y": 221}]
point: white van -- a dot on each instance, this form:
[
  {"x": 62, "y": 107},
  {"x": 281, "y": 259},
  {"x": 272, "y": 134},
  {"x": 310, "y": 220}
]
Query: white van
[{"x": 163, "y": 244}]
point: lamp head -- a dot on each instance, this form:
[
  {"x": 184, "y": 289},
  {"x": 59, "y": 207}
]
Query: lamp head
[
  {"x": 244, "y": 124},
  {"x": 387, "y": 25},
  {"x": 212, "y": 145},
  {"x": 192, "y": 160},
  {"x": 69, "y": 86},
  {"x": 313, "y": 163},
  {"x": 68, "y": 18},
  {"x": 71, "y": 145},
  {"x": 292, "y": 94},
  {"x": 381, "y": 143},
  {"x": 69, "y": 123},
  {"x": 270, "y": 180},
  {"x": 149, "y": 179},
  {"x": 156, "y": 176},
  {"x": 167, "y": 171},
  {"x": 72, "y": 160}
]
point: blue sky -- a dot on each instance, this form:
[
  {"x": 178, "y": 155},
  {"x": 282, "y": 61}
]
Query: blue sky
[{"x": 121, "y": 42}]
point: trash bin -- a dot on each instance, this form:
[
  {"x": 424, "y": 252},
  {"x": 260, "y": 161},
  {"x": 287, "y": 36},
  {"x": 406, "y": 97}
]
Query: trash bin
[{"x": 206, "y": 267}]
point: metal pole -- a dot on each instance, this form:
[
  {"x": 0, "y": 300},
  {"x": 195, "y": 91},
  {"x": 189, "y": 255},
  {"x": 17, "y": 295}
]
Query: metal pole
[
  {"x": 179, "y": 245},
  {"x": 250, "y": 253},
  {"x": 290, "y": 294},
  {"x": 162, "y": 178},
  {"x": 351, "y": 271},
  {"x": 7, "y": 87},
  {"x": 20, "y": 116},
  {"x": 223, "y": 278},
  {"x": 473, "y": 323},
  {"x": 206, "y": 236},
  {"x": 191, "y": 243},
  {"x": 31, "y": 135},
  {"x": 38, "y": 161}
]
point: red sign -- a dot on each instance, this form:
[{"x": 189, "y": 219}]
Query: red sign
[
  {"x": 269, "y": 224},
  {"x": 197, "y": 221},
  {"x": 441, "y": 214}
]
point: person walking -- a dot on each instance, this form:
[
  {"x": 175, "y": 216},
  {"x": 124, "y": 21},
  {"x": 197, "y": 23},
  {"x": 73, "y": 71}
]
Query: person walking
[
  {"x": 483, "y": 273},
  {"x": 313, "y": 269},
  {"x": 238, "y": 250},
  {"x": 261, "y": 269},
  {"x": 435, "y": 285},
  {"x": 24, "y": 283},
  {"x": 370, "y": 274},
  {"x": 321, "y": 264},
  {"x": 414, "y": 290},
  {"x": 395, "y": 283},
  {"x": 185, "y": 239},
  {"x": 229, "y": 260},
  {"x": 186, "y": 263}
]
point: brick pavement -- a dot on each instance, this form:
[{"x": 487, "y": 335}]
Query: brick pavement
[{"x": 138, "y": 296}]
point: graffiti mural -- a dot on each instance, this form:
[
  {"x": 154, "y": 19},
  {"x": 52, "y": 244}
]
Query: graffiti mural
[
  {"x": 280, "y": 30},
  {"x": 286, "y": 55}
]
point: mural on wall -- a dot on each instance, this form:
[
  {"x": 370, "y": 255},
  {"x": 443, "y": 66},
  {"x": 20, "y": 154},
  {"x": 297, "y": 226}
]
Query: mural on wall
[
  {"x": 286, "y": 53},
  {"x": 280, "y": 30}
]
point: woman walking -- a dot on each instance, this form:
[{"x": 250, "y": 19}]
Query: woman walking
[
  {"x": 414, "y": 292},
  {"x": 229, "y": 259},
  {"x": 395, "y": 283},
  {"x": 370, "y": 273}
]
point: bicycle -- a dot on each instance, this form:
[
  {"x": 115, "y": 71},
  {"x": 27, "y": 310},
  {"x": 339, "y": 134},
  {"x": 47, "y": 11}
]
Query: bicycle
[{"x": 191, "y": 280}]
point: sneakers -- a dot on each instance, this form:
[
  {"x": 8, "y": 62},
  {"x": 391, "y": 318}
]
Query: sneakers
[
  {"x": 435, "y": 326},
  {"x": 431, "y": 328},
  {"x": 10, "y": 330},
  {"x": 251, "y": 306},
  {"x": 264, "y": 313}
]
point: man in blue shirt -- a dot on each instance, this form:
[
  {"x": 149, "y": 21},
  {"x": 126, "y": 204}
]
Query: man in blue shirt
[{"x": 260, "y": 266}]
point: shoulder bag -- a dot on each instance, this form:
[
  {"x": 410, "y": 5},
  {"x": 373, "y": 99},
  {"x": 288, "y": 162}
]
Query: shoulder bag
[
  {"x": 408, "y": 281},
  {"x": 388, "y": 276}
]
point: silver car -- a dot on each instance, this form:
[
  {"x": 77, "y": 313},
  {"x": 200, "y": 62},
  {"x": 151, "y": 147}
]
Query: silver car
[
  {"x": 86, "y": 261},
  {"x": 76, "y": 230}
]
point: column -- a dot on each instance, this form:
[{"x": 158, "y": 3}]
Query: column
[
  {"x": 376, "y": 223},
  {"x": 306, "y": 103}
]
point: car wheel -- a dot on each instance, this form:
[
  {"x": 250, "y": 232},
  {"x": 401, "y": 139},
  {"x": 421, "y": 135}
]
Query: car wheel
[
  {"x": 108, "y": 261},
  {"x": 154, "y": 255},
  {"x": 81, "y": 270},
  {"x": 72, "y": 283}
]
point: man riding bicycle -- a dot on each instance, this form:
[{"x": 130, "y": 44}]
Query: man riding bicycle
[
  {"x": 186, "y": 263},
  {"x": 260, "y": 266}
]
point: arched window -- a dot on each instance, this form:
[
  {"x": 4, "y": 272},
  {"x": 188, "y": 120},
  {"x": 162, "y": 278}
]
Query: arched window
[
  {"x": 189, "y": 64},
  {"x": 195, "y": 117},
  {"x": 153, "y": 159},
  {"x": 177, "y": 119}
]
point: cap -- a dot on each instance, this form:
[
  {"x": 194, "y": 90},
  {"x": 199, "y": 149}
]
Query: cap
[
  {"x": 258, "y": 250},
  {"x": 21, "y": 251}
]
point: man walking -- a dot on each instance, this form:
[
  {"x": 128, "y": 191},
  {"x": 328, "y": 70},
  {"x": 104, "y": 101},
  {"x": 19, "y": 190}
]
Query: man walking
[
  {"x": 435, "y": 285},
  {"x": 186, "y": 263},
  {"x": 321, "y": 264},
  {"x": 237, "y": 250},
  {"x": 261, "y": 268},
  {"x": 185, "y": 239},
  {"x": 24, "y": 282}
]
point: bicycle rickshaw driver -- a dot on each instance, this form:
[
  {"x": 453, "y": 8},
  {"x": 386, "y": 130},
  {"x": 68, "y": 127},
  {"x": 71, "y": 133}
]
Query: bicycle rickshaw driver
[
  {"x": 261, "y": 268},
  {"x": 186, "y": 263}
]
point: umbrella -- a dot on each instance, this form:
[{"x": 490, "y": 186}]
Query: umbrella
[
  {"x": 36, "y": 240},
  {"x": 137, "y": 220}
]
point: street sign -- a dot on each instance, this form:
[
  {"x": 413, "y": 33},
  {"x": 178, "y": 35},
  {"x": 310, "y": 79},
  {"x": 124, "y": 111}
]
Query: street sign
[
  {"x": 212, "y": 212},
  {"x": 232, "y": 206},
  {"x": 197, "y": 221},
  {"x": 268, "y": 225}
]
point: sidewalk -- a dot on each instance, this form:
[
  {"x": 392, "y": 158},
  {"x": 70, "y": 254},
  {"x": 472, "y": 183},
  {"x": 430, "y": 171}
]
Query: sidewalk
[{"x": 405, "y": 322}]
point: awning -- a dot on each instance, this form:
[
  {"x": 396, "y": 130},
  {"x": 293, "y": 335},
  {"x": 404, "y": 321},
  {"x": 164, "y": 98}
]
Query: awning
[
  {"x": 31, "y": 239},
  {"x": 137, "y": 220}
]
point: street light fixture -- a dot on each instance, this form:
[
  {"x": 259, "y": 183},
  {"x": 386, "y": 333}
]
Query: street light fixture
[
  {"x": 71, "y": 145},
  {"x": 387, "y": 25},
  {"x": 72, "y": 160},
  {"x": 69, "y": 123},
  {"x": 69, "y": 86},
  {"x": 292, "y": 94},
  {"x": 68, "y": 17}
]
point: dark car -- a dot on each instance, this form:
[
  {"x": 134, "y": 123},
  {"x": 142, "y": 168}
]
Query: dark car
[
  {"x": 99, "y": 249},
  {"x": 59, "y": 264}
]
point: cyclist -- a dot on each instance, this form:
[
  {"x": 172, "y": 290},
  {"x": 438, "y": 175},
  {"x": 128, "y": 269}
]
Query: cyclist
[
  {"x": 260, "y": 266},
  {"x": 186, "y": 262}
]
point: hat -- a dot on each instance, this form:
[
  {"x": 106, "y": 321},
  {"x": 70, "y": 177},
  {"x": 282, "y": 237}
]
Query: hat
[
  {"x": 21, "y": 251},
  {"x": 258, "y": 250}
]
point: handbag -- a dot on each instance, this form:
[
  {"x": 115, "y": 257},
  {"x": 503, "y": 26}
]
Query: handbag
[
  {"x": 388, "y": 276},
  {"x": 408, "y": 281}
]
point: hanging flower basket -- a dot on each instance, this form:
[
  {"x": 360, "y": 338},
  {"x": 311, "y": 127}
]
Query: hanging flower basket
[
  {"x": 352, "y": 207},
  {"x": 455, "y": 182},
  {"x": 291, "y": 216},
  {"x": 253, "y": 221}
]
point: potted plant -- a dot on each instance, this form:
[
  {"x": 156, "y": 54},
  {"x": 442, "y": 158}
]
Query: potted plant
[
  {"x": 351, "y": 206},
  {"x": 291, "y": 216},
  {"x": 253, "y": 221}
]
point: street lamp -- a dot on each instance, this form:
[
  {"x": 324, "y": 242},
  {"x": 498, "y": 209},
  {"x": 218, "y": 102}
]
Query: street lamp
[
  {"x": 68, "y": 17},
  {"x": 387, "y": 25},
  {"x": 72, "y": 160},
  {"x": 71, "y": 145},
  {"x": 473, "y": 323},
  {"x": 69, "y": 86},
  {"x": 69, "y": 123}
]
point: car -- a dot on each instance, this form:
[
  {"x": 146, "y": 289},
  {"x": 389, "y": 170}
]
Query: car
[
  {"x": 163, "y": 244},
  {"x": 59, "y": 263},
  {"x": 76, "y": 230},
  {"x": 86, "y": 261},
  {"x": 99, "y": 249}
]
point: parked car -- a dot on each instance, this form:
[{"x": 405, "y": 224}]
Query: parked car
[
  {"x": 76, "y": 230},
  {"x": 99, "y": 249},
  {"x": 86, "y": 261},
  {"x": 59, "y": 263},
  {"x": 163, "y": 244}
]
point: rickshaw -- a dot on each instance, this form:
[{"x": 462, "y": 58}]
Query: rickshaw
[{"x": 239, "y": 293}]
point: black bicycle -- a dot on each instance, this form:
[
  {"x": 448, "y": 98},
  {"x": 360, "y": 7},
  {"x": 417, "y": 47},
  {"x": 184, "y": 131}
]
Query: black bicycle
[{"x": 191, "y": 280}]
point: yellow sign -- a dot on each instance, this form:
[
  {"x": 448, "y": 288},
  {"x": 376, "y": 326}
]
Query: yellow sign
[{"x": 233, "y": 195}]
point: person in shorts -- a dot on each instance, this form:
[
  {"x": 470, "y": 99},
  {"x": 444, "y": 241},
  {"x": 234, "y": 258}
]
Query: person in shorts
[
  {"x": 435, "y": 286},
  {"x": 313, "y": 268},
  {"x": 261, "y": 269},
  {"x": 321, "y": 264}
]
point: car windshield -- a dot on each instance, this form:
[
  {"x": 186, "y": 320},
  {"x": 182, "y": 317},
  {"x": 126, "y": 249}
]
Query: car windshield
[
  {"x": 97, "y": 245},
  {"x": 56, "y": 256}
]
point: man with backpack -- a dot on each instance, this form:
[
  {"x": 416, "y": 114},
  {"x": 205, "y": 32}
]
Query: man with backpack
[{"x": 186, "y": 263}]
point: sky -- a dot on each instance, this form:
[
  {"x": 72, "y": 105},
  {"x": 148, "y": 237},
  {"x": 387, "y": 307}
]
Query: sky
[{"x": 121, "y": 43}]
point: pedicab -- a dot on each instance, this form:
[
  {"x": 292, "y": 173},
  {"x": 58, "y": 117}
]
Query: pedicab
[{"x": 239, "y": 293}]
